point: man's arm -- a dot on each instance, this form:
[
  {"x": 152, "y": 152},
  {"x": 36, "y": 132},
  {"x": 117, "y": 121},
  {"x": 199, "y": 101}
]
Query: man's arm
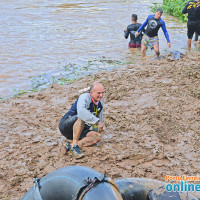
[
  {"x": 82, "y": 112},
  {"x": 126, "y": 33},
  {"x": 143, "y": 26},
  {"x": 185, "y": 10},
  {"x": 142, "y": 31}
]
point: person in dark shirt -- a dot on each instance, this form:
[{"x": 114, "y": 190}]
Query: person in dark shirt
[
  {"x": 84, "y": 120},
  {"x": 193, "y": 24},
  {"x": 131, "y": 29},
  {"x": 150, "y": 39}
]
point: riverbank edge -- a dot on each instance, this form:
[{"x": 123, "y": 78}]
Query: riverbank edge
[{"x": 156, "y": 99}]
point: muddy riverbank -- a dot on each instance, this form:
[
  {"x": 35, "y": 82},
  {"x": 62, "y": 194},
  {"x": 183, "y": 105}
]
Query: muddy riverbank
[{"x": 152, "y": 119}]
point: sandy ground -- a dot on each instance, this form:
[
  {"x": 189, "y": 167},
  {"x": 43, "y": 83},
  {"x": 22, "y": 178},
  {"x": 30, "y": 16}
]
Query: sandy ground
[{"x": 152, "y": 120}]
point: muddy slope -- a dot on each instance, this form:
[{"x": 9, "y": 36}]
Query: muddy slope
[{"x": 152, "y": 119}]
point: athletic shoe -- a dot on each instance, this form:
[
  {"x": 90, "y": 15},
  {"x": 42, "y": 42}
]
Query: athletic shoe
[
  {"x": 67, "y": 146},
  {"x": 77, "y": 151}
]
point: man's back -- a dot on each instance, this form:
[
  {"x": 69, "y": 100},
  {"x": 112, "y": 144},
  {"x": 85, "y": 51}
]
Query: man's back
[
  {"x": 131, "y": 29},
  {"x": 193, "y": 10}
]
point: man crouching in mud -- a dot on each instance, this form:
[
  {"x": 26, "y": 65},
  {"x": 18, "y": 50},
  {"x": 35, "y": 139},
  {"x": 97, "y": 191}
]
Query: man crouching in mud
[{"x": 84, "y": 120}]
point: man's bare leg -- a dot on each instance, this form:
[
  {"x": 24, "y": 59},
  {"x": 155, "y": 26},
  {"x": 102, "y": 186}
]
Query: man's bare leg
[
  {"x": 92, "y": 138},
  {"x": 189, "y": 44},
  {"x": 77, "y": 129},
  {"x": 156, "y": 49},
  {"x": 143, "y": 51}
]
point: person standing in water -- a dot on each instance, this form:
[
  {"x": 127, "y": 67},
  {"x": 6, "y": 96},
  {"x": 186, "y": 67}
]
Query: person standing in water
[
  {"x": 131, "y": 29},
  {"x": 193, "y": 24},
  {"x": 150, "y": 39}
]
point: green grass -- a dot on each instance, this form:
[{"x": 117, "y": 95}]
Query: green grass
[
  {"x": 172, "y": 7},
  {"x": 21, "y": 92},
  {"x": 62, "y": 81}
]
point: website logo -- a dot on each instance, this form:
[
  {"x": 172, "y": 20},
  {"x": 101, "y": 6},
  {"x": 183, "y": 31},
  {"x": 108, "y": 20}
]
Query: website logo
[{"x": 183, "y": 183}]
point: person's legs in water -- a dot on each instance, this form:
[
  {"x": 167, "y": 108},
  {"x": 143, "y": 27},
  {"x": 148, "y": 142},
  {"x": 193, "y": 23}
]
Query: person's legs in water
[
  {"x": 145, "y": 44},
  {"x": 132, "y": 45},
  {"x": 143, "y": 51},
  {"x": 138, "y": 42},
  {"x": 190, "y": 33},
  {"x": 154, "y": 44},
  {"x": 138, "y": 45},
  {"x": 156, "y": 49},
  {"x": 189, "y": 44}
]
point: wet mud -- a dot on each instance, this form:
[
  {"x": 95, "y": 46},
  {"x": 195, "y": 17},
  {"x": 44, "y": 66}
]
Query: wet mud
[{"x": 151, "y": 115}]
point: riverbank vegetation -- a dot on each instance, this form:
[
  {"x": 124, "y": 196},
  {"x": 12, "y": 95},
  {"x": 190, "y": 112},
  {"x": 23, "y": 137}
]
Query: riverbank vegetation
[{"x": 173, "y": 7}]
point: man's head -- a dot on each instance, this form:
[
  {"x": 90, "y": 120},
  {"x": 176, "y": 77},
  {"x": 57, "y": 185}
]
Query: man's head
[
  {"x": 97, "y": 91},
  {"x": 158, "y": 13},
  {"x": 134, "y": 18}
]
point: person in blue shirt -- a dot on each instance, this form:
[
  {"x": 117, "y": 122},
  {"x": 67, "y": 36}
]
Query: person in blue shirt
[
  {"x": 84, "y": 120},
  {"x": 131, "y": 29},
  {"x": 150, "y": 38}
]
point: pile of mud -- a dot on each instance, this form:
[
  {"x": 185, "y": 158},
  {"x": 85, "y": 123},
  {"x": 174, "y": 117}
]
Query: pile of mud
[{"x": 151, "y": 115}]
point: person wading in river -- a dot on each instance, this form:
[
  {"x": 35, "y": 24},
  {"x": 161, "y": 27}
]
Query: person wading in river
[
  {"x": 131, "y": 29},
  {"x": 150, "y": 38},
  {"x": 84, "y": 120},
  {"x": 193, "y": 24}
]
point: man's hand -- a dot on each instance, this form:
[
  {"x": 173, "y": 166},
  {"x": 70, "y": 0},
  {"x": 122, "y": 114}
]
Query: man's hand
[
  {"x": 125, "y": 30},
  {"x": 169, "y": 44},
  {"x": 100, "y": 127},
  {"x": 136, "y": 34}
]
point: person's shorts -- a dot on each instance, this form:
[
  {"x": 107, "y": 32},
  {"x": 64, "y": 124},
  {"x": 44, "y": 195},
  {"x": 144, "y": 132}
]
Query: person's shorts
[
  {"x": 150, "y": 41},
  {"x": 134, "y": 45},
  {"x": 66, "y": 127},
  {"x": 192, "y": 27}
]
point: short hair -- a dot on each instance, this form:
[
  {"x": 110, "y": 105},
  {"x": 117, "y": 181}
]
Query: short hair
[
  {"x": 92, "y": 86},
  {"x": 134, "y": 16},
  {"x": 159, "y": 10}
]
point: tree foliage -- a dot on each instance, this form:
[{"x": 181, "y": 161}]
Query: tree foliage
[{"x": 173, "y": 7}]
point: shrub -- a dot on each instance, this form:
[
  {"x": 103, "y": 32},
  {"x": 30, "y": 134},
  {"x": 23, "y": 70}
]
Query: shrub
[{"x": 173, "y": 7}]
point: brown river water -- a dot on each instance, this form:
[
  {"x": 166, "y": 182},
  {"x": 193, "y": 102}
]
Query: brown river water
[{"x": 41, "y": 37}]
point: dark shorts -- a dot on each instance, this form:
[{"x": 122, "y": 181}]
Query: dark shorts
[
  {"x": 66, "y": 127},
  {"x": 193, "y": 26},
  {"x": 134, "y": 45},
  {"x": 196, "y": 36}
]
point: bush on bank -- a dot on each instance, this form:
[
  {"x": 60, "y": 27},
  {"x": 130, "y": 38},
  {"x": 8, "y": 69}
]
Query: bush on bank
[{"x": 173, "y": 7}]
